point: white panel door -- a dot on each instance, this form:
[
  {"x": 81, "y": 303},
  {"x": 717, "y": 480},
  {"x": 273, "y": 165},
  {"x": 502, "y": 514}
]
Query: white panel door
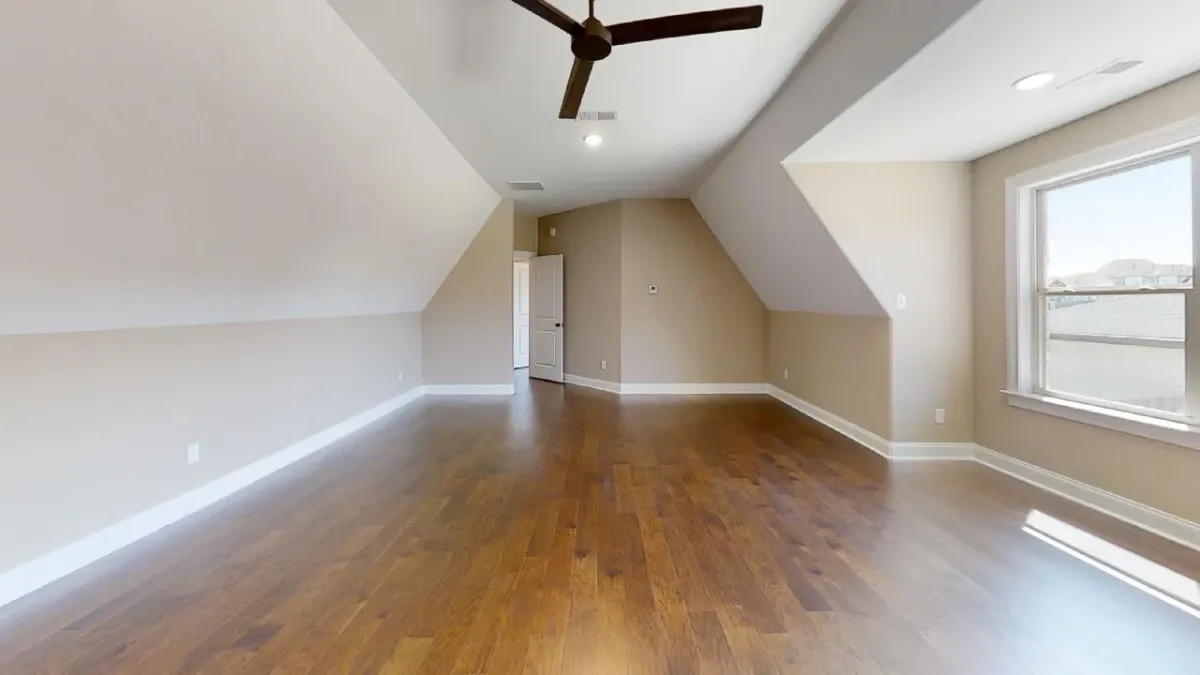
[
  {"x": 521, "y": 314},
  {"x": 546, "y": 317}
]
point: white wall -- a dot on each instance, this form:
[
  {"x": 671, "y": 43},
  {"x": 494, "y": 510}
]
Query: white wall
[
  {"x": 167, "y": 163},
  {"x": 752, "y": 206}
]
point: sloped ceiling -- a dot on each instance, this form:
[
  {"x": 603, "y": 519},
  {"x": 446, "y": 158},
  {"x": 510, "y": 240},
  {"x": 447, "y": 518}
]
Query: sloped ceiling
[
  {"x": 491, "y": 74},
  {"x": 166, "y": 163},
  {"x": 963, "y": 79},
  {"x": 755, "y": 208}
]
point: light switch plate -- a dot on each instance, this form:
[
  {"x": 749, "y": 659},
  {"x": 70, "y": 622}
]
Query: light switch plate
[{"x": 901, "y": 301}]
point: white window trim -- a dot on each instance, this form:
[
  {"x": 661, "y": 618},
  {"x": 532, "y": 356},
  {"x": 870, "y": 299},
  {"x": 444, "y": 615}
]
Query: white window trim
[{"x": 1022, "y": 321}]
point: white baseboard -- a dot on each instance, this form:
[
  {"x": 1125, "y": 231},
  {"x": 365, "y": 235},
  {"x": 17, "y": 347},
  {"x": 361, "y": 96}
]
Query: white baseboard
[
  {"x": 591, "y": 383},
  {"x": 686, "y": 389},
  {"x": 846, "y": 428},
  {"x": 470, "y": 389},
  {"x": 1148, "y": 518},
  {"x": 916, "y": 452},
  {"x": 667, "y": 389},
  {"x": 35, "y": 574}
]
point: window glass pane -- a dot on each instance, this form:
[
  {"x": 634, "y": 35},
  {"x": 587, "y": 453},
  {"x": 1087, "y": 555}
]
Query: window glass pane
[
  {"x": 1130, "y": 228},
  {"x": 1126, "y": 348}
]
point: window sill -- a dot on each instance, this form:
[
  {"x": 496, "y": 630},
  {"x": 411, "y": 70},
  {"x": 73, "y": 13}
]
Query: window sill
[{"x": 1175, "y": 433}]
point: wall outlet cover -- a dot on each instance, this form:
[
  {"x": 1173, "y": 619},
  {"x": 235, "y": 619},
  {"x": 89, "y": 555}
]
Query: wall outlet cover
[
  {"x": 652, "y": 289},
  {"x": 785, "y": 373},
  {"x": 604, "y": 365},
  {"x": 939, "y": 416},
  {"x": 400, "y": 376},
  {"x": 193, "y": 453}
]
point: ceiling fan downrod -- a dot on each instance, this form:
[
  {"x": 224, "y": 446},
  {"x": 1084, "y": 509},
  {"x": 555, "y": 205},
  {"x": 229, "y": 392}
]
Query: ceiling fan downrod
[{"x": 594, "y": 42}]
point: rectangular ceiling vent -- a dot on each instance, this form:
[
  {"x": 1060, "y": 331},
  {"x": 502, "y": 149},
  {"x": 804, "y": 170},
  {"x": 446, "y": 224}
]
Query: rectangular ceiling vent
[
  {"x": 1119, "y": 66},
  {"x": 597, "y": 116},
  {"x": 526, "y": 185},
  {"x": 1114, "y": 67}
]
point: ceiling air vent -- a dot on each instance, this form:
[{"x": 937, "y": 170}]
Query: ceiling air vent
[
  {"x": 526, "y": 185},
  {"x": 1092, "y": 77},
  {"x": 1119, "y": 66},
  {"x": 597, "y": 116}
]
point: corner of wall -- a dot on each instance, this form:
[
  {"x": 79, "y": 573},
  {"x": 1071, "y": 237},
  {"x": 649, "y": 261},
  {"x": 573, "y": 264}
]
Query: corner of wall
[
  {"x": 836, "y": 363},
  {"x": 704, "y": 324},
  {"x": 906, "y": 228},
  {"x": 1165, "y": 476},
  {"x": 466, "y": 328}
]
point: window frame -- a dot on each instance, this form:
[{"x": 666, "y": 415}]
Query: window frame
[{"x": 1026, "y": 292}]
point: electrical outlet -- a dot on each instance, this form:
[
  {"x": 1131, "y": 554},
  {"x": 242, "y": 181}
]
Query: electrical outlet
[
  {"x": 400, "y": 376},
  {"x": 553, "y": 232},
  {"x": 604, "y": 365},
  {"x": 652, "y": 289},
  {"x": 785, "y": 373},
  {"x": 901, "y": 301},
  {"x": 939, "y": 416},
  {"x": 193, "y": 453}
]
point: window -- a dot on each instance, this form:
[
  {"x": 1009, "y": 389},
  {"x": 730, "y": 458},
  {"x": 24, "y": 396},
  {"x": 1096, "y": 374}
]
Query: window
[
  {"x": 1124, "y": 345},
  {"x": 1103, "y": 313}
]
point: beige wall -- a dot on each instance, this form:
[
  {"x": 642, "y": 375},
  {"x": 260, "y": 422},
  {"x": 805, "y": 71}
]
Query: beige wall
[
  {"x": 94, "y": 426},
  {"x": 906, "y": 228},
  {"x": 525, "y": 233},
  {"x": 1157, "y": 474},
  {"x": 468, "y": 325},
  {"x": 706, "y": 324},
  {"x": 589, "y": 240},
  {"x": 838, "y": 363}
]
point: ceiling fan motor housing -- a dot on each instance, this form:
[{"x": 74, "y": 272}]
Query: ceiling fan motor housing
[{"x": 594, "y": 43}]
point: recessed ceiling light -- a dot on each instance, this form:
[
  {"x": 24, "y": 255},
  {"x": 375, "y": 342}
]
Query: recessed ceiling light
[
  {"x": 593, "y": 140},
  {"x": 1035, "y": 81}
]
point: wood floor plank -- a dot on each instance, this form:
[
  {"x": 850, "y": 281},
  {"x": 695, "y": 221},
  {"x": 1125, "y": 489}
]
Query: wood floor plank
[{"x": 571, "y": 531}]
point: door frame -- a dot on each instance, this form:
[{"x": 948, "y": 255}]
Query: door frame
[{"x": 519, "y": 258}]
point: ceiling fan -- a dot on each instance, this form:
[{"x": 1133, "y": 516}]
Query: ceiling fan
[{"x": 592, "y": 41}]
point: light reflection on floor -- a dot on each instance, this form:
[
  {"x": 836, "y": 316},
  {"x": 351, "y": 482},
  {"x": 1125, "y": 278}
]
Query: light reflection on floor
[{"x": 1167, "y": 585}]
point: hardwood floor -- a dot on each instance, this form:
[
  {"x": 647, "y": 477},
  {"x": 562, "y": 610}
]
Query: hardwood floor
[{"x": 567, "y": 531}]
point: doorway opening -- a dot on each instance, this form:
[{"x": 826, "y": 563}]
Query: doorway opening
[{"x": 521, "y": 309}]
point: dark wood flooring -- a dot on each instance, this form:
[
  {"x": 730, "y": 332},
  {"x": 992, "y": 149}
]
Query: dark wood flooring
[{"x": 566, "y": 531}]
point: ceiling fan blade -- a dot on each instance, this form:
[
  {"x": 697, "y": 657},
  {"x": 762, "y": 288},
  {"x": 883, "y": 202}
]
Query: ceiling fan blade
[
  {"x": 682, "y": 25},
  {"x": 573, "y": 98},
  {"x": 552, "y": 14}
]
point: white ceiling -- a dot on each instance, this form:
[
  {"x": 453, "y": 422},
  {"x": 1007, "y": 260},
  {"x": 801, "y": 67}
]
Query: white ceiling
[
  {"x": 954, "y": 100},
  {"x": 492, "y": 76},
  {"x": 169, "y": 163},
  {"x": 166, "y": 164},
  {"x": 752, "y": 204}
]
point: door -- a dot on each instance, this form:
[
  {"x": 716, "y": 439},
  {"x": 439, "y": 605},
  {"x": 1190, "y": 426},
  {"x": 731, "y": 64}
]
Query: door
[
  {"x": 546, "y": 318},
  {"x": 521, "y": 314}
]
